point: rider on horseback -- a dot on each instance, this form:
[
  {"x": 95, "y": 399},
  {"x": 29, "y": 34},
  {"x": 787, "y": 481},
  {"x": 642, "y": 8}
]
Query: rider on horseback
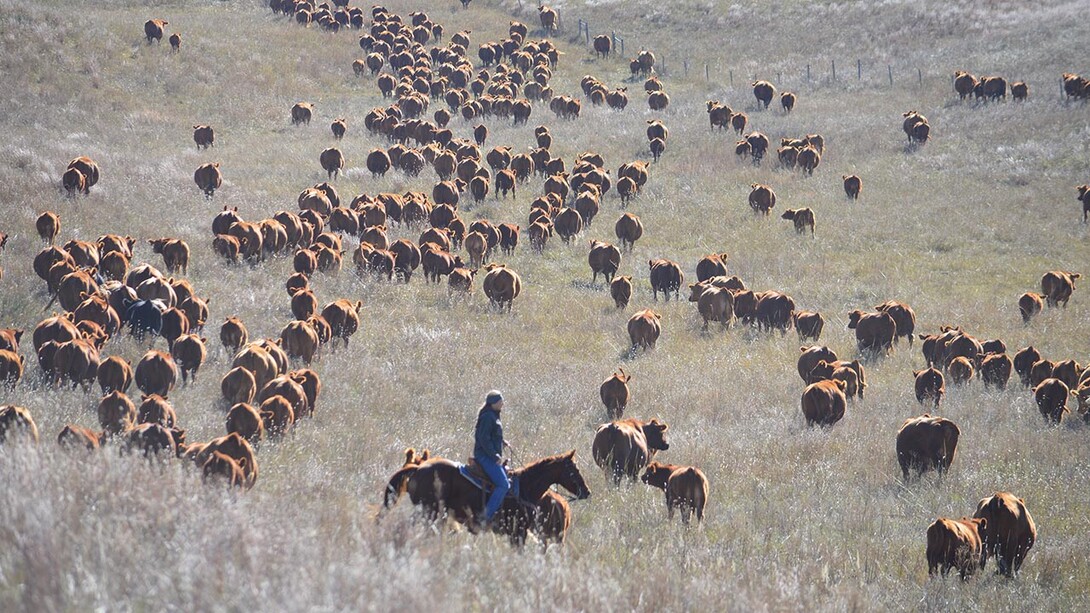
[{"x": 488, "y": 452}]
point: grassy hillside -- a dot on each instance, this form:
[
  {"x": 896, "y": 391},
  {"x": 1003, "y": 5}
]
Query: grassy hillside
[{"x": 797, "y": 518}]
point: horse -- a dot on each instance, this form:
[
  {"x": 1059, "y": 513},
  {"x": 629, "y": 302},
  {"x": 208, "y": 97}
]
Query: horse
[{"x": 438, "y": 487}]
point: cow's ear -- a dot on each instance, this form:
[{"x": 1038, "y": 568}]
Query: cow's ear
[{"x": 570, "y": 455}]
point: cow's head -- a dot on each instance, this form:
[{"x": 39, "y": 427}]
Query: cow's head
[
  {"x": 656, "y": 475},
  {"x": 655, "y": 432}
]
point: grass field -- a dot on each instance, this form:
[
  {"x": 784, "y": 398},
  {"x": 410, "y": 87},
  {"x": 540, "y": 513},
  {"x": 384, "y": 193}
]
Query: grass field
[{"x": 798, "y": 519}]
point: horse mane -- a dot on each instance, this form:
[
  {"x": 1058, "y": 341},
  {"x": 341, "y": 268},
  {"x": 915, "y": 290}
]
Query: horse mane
[{"x": 543, "y": 462}]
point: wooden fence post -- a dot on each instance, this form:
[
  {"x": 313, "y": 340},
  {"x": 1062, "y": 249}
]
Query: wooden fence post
[
  {"x": 834, "y": 69},
  {"x": 889, "y": 69},
  {"x": 858, "y": 70}
]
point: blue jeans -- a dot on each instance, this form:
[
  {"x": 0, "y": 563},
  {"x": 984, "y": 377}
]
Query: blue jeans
[{"x": 499, "y": 479}]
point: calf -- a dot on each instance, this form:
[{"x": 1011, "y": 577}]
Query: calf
[
  {"x": 955, "y": 544},
  {"x": 686, "y": 488}
]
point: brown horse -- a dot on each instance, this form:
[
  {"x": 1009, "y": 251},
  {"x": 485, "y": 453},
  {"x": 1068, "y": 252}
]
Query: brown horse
[{"x": 438, "y": 487}]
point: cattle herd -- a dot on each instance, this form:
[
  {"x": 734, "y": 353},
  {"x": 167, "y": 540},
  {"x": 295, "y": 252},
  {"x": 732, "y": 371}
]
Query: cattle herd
[{"x": 270, "y": 385}]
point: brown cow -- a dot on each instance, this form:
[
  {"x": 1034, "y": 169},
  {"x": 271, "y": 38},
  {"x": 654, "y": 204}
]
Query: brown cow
[
  {"x": 300, "y": 340},
  {"x": 244, "y": 420},
  {"x": 189, "y": 353},
  {"x": 338, "y": 127},
  {"x": 343, "y": 317},
  {"x": 808, "y": 324},
  {"x": 332, "y": 161},
  {"x": 397, "y": 484},
  {"x": 204, "y": 136},
  {"x": 222, "y": 466},
  {"x": 853, "y": 185},
  {"x": 1024, "y": 361},
  {"x": 208, "y": 178},
  {"x": 460, "y": 280},
  {"x": 156, "y": 373},
  {"x": 77, "y": 360},
  {"x": 851, "y": 373},
  {"x": 803, "y": 218},
  {"x": 955, "y": 544},
  {"x": 624, "y": 447},
  {"x": 174, "y": 251},
  {"x": 874, "y": 332},
  {"x": 277, "y": 415},
  {"x": 620, "y": 289},
  {"x": 16, "y": 421},
  {"x": 718, "y": 115},
  {"x": 686, "y": 488},
  {"x": 628, "y": 229},
  {"x": 301, "y": 112},
  {"x": 902, "y": 315},
  {"x": 930, "y": 386},
  {"x": 644, "y": 329},
  {"x": 713, "y": 303},
  {"x": 1009, "y": 532},
  {"x": 761, "y": 198},
  {"x": 88, "y": 170},
  {"x": 233, "y": 334},
  {"x": 995, "y": 370},
  {"x": 763, "y": 91},
  {"x": 1051, "y": 395},
  {"x": 48, "y": 226},
  {"x": 824, "y": 403},
  {"x": 961, "y": 370},
  {"x": 604, "y": 259},
  {"x": 1019, "y": 90},
  {"x": 1068, "y": 371},
  {"x": 925, "y": 443},
  {"x": 810, "y": 357},
  {"x": 1029, "y": 305},
  {"x": 711, "y": 265},
  {"x": 615, "y": 393},
  {"x": 155, "y": 409},
  {"x": 665, "y": 276},
  {"x": 153, "y": 29},
  {"x": 114, "y": 373},
  {"x": 116, "y": 413},
  {"x": 1057, "y": 286},
  {"x": 964, "y": 84},
  {"x": 237, "y": 448},
  {"x": 238, "y": 386},
  {"x": 73, "y": 436},
  {"x": 502, "y": 285},
  {"x": 787, "y": 100}
]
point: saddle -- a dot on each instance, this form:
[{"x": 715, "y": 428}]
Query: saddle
[{"x": 473, "y": 473}]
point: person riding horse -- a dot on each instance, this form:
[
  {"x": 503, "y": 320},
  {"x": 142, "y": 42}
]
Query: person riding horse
[{"x": 488, "y": 452}]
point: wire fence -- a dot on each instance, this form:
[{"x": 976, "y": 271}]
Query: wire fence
[{"x": 812, "y": 74}]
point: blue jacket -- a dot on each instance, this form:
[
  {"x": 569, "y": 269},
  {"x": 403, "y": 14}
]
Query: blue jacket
[{"x": 488, "y": 440}]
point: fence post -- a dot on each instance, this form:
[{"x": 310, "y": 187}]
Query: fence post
[
  {"x": 889, "y": 69},
  {"x": 707, "y": 74},
  {"x": 732, "y": 80},
  {"x": 834, "y": 69},
  {"x": 685, "y": 66},
  {"x": 587, "y": 30},
  {"x": 919, "y": 76},
  {"x": 807, "y": 73},
  {"x": 779, "y": 78},
  {"x": 858, "y": 70}
]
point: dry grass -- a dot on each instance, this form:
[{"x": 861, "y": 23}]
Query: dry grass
[{"x": 798, "y": 518}]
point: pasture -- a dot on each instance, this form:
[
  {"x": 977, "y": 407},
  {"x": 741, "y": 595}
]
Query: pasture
[{"x": 797, "y": 518}]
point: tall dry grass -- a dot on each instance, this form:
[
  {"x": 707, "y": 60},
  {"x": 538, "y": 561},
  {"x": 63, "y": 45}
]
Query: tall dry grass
[{"x": 798, "y": 518}]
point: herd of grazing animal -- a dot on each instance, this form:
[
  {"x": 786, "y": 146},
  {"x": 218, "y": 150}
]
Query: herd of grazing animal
[{"x": 103, "y": 291}]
